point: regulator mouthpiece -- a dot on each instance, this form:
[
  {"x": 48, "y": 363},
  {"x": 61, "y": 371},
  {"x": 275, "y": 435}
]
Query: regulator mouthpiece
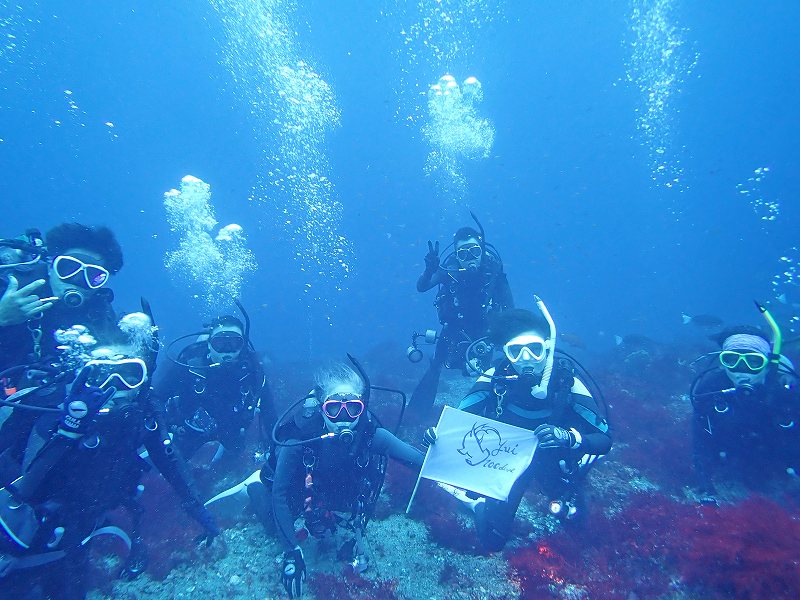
[{"x": 72, "y": 298}]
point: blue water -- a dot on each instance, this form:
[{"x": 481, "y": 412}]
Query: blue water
[{"x": 566, "y": 194}]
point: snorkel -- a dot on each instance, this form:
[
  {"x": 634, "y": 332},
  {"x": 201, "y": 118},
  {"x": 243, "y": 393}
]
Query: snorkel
[
  {"x": 246, "y": 318},
  {"x": 363, "y": 374},
  {"x": 777, "y": 337},
  {"x": 482, "y": 240},
  {"x": 539, "y": 391},
  {"x": 745, "y": 379}
]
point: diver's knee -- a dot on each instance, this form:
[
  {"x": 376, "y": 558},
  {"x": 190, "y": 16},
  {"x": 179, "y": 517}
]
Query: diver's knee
[
  {"x": 261, "y": 503},
  {"x": 490, "y": 537}
]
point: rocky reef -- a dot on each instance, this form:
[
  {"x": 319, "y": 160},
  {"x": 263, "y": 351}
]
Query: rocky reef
[{"x": 646, "y": 536}]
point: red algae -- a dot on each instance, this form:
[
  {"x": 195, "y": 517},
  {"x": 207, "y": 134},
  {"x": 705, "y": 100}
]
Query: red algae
[{"x": 749, "y": 550}]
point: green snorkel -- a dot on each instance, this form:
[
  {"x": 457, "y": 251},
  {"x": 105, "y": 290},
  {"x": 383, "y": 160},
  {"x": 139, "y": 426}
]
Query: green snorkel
[{"x": 777, "y": 337}]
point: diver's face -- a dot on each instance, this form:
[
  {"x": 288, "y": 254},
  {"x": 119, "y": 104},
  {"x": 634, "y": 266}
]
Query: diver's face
[
  {"x": 75, "y": 270},
  {"x": 746, "y": 368},
  {"x": 527, "y": 353},
  {"x": 127, "y": 375},
  {"x": 469, "y": 253},
  {"x": 745, "y": 380},
  {"x": 225, "y": 343},
  {"x": 342, "y": 409}
]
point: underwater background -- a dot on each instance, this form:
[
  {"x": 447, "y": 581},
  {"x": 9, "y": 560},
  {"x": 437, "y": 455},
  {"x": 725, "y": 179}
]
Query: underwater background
[{"x": 631, "y": 161}]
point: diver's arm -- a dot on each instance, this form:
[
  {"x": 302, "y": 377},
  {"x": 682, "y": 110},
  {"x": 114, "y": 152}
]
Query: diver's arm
[
  {"x": 15, "y": 431},
  {"x": 171, "y": 465},
  {"x": 592, "y": 427},
  {"x": 174, "y": 390},
  {"x": 288, "y": 459},
  {"x": 475, "y": 402},
  {"x": 39, "y": 468},
  {"x": 594, "y": 442},
  {"x": 430, "y": 279},
  {"x": 388, "y": 444}
]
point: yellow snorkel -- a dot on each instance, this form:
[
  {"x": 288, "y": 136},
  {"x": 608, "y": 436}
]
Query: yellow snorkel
[{"x": 777, "y": 338}]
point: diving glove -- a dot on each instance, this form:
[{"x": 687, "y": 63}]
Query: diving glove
[
  {"x": 551, "y": 436},
  {"x": 82, "y": 404},
  {"x": 429, "y": 437},
  {"x": 293, "y": 572}
]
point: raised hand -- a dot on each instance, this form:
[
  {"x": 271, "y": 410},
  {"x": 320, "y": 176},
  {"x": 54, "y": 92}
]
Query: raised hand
[
  {"x": 17, "y": 305},
  {"x": 432, "y": 257},
  {"x": 82, "y": 404}
]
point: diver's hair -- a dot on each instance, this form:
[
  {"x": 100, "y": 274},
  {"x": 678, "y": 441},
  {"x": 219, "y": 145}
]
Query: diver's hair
[
  {"x": 508, "y": 324},
  {"x": 723, "y": 335},
  {"x": 95, "y": 239},
  {"x": 227, "y": 321},
  {"x": 338, "y": 375},
  {"x": 464, "y": 234}
]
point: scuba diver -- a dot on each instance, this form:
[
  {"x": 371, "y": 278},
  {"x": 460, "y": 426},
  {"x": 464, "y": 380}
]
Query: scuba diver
[
  {"x": 82, "y": 457},
  {"x": 329, "y": 468},
  {"x": 472, "y": 286},
  {"x": 214, "y": 387},
  {"x": 51, "y": 284},
  {"x": 746, "y": 409},
  {"x": 532, "y": 388}
]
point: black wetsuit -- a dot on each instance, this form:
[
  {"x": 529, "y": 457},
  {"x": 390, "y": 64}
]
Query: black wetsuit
[
  {"x": 215, "y": 403},
  {"x": 464, "y": 301},
  {"x": 342, "y": 475},
  {"x": 757, "y": 433},
  {"x": 568, "y": 405},
  {"x": 78, "y": 481}
]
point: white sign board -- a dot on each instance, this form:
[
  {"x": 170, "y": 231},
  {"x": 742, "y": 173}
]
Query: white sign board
[{"x": 478, "y": 454}]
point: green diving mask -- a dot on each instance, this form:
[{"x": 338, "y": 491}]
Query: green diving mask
[{"x": 752, "y": 362}]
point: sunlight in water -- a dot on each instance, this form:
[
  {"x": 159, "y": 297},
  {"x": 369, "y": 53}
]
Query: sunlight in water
[
  {"x": 292, "y": 110},
  {"x": 659, "y": 63},
  {"x": 436, "y": 37}
]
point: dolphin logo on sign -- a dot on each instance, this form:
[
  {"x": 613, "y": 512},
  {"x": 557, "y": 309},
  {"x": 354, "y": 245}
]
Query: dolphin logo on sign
[
  {"x": 476, "y": 443},
  {"x": 468, "y": 444}
]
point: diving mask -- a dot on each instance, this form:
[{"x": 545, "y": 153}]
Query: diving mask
[
  {"x": 123, "y": 373},
  {"x": 341, "y": 412},
  {"x": 527, "y": 353},
  {"x": 745, "y": 362},
  {"x": 333, "y": 407},
  {"x": 226, "y": 342},
  {"x": 68, "y": 267},
  {"x": 468, "y": 253}
]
